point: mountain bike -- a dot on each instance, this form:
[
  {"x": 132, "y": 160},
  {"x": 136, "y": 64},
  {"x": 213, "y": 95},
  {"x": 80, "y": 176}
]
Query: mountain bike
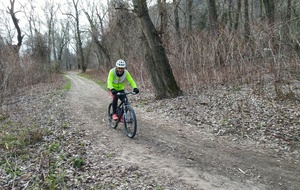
[{"x": 125, "y": 114}]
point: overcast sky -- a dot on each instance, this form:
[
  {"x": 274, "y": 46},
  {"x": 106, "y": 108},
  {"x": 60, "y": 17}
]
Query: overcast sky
[{"x": 23, "y": 10}]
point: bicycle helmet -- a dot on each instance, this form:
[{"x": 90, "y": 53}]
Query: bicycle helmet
[{"x": 121, "y": 63}]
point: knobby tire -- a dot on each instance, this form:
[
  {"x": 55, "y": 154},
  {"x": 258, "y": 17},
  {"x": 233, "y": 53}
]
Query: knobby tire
[
  {"x": 130, "y": 123},
  {"x": 113, "y": 124}
]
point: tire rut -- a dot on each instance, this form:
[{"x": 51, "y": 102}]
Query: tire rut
[{"x": 197, "y": 160}]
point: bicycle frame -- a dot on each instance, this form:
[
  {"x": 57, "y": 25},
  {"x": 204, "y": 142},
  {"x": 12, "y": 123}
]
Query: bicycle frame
[{"x": 128, "y": 114}]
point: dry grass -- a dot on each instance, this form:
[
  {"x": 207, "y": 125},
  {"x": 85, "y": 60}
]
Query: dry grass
[
  {"x": 18, "y": 74},
  {"x": 200, "y": 61}
]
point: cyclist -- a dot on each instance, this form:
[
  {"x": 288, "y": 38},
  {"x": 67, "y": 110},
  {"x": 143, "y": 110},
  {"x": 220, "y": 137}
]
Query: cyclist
[{"x": 116, "y": 80}]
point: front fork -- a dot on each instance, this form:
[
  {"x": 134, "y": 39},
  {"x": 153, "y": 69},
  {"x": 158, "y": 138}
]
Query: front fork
[{"x": 125, "y": 113}]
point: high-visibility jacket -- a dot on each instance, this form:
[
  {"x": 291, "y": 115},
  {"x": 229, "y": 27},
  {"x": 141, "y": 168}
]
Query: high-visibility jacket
[{"x": 118, "y": 83}]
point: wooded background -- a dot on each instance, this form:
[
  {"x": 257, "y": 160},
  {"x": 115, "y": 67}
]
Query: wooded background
[{"x": 203, "y": 43}]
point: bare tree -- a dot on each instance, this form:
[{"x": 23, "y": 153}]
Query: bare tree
[
  {"x": 176, "y": 16},
  {"x": 288, "y": 17},
  {"x": 176, "y": 23},
  {"x": 102, "y": 53},
  {"x": 189, "y": 18},
  {"x": 32, "y": 19},
  {"x": 230, "y": 14},
  {"x": 157, "y": 62},
  {"x": 10, "y": 69},
  {"x": 37, "y": 40},
  {"x": 162, "y": 6},
  {"x": 50, "y": 11},
  {"x": 288, "y": 10},
  {"x": 237, "y": 15},
  {"x": 79, "y": 48},
  {"x": 11, "y": 11},
  {"x": 247, "y": 24},
  {"x": 270, "y": 10},
  {"x": 213, "y": 16},
  {"x": 61, "y": 39},
  {"x": 103, "y": 48},
  {"x": 83, "y": 67}
]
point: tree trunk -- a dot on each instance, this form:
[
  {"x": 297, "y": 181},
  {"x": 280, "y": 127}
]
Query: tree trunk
[
  {"x": 162, "y": 7},
  {"x": 237, "y": 16},
  {"x": 247, "y": 25},
  {"x": 103, "y": 49},
  {"x": 176, "y": 18},
  {"x": 270, "y": 10},
  {"x": 270, "y": 14},
  {"x": 213, "y": 16},
  {"x": 82, "y": 65},
  {"x": 12, "y": 13},
  {"x": 164, "y": 22},
  {"x": 95, "y": 37},
  {"x": 189, "y": 13},
  {"x": 288, "y": 10},
  {"x": 50, "y": 13},
  {"x": 157, "y": 62},
  {"x": 230, "y": 14}
]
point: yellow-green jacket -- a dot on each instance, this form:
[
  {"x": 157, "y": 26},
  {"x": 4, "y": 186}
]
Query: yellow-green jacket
[{"x": 118, "y": 83}]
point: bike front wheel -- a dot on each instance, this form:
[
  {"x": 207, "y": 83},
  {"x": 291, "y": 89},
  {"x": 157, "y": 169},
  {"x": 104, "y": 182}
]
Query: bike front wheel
[{"x": 130, "y": 123}]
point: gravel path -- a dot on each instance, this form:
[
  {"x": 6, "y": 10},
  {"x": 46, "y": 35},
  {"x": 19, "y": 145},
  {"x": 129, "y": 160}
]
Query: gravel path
[{"x": 62, "y": 141}]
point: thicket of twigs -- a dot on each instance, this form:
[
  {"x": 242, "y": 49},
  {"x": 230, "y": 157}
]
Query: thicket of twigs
[
  {"x": 20, "y": 72},
  {"x": 270, "y": 56},
  {"x": 198, "y": 60},
  {"x": 231, "y": 63}
]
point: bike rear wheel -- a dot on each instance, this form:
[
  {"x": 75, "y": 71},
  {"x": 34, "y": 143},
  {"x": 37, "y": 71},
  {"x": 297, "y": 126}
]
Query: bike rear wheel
[
  {"x": 113, "y": 124},
  {"x": 130, "y": 123}
]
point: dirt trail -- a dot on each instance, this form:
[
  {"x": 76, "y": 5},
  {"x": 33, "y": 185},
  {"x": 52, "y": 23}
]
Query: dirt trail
[{"x": 193, "y": 157}]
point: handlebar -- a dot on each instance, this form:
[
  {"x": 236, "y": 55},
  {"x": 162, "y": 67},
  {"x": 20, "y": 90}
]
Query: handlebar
[{"x": 125, "y": 93}]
